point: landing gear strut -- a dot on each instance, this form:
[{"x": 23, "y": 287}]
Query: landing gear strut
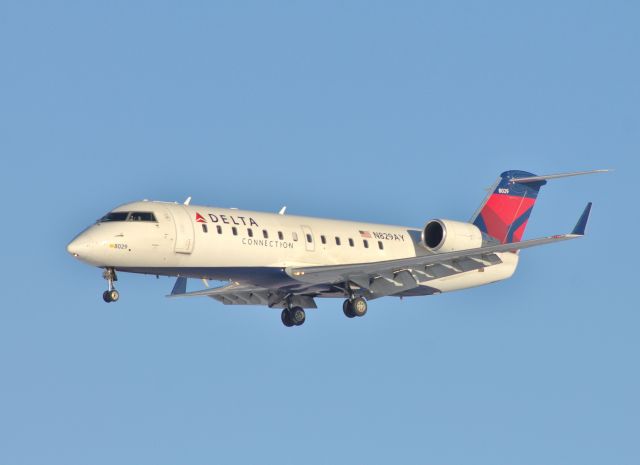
[
  {"x": 294, "y": 316},
  {"x": 110, "y": 295},
  {"x": 353, "y": 307}
]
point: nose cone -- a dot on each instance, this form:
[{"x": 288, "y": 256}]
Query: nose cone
[
  {"x": 79, "y": 246},
  {"x": 73, "y": 247},
  {"x": 83, "y": 246}
]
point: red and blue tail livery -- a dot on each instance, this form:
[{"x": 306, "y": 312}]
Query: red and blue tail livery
[{"x": 506, "y": 210}]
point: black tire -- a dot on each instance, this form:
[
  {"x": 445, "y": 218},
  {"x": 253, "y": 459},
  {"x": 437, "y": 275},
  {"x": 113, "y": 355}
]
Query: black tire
[
  {"x": 346, "y": 309},
  {"x": 114, "y": 295},
  {"x": 106, "y": 296},
  {"x": 286, "y": 318},
  {"x": 298, "y": 316},
  {"x": 359, "y": 306}
]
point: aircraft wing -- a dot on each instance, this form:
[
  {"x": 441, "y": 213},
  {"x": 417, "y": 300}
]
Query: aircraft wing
[
  {"x": 376, "y": 279},
  {"x": 395, "y": 276},
  {"x": 243, "y": 294}
]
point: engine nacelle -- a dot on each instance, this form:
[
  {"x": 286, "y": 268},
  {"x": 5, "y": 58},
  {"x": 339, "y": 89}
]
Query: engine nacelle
[{"x": 449, "y": 236}]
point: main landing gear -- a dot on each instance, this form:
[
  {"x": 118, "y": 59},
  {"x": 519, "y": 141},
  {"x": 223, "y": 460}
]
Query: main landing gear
[
  {"x": 353, "y": 307},
  {"x": 294, "y": 316},
  {"x": 356, "y": 306},
  {"x": 110, "y": 295}
]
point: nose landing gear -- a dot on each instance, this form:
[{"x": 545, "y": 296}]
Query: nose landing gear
[{"x": 111, "y": 294}]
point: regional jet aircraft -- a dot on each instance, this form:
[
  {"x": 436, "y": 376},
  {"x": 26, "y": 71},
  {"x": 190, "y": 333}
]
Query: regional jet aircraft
[{"x": 286, "y": 261}]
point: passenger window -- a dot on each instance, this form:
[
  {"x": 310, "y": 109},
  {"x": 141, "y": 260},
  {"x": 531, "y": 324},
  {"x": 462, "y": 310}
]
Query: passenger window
[
  {"x": 351, "y": 242},
  {"x": 323, "y": 239},
  {"x": 234, "y": 230},
  {"x": 250, "y": 232},
  {"x": 380, "y": 245},
  {"x": 265, "y": 234},
  {"x": 280, "y": 235},
  {"x": 337, "y": 240},
  {"x": 366, "y": 243},
  {"x": 219, "y": 229},
  {"x": 204, "y": 228},
  {"x": 309, "y": 238},
  {"x": 294, "y": 235}
]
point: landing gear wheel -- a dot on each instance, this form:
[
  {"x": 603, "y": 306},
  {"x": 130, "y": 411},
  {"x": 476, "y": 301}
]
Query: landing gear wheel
[
  {"x": 298, "y": 316},
  {"x": 110, "y": 295},
  {"x": 354, "y": 307},
  {"x": 359, "y": 306},
  {"x": 346, "y": 309},
  {"x": 286, "y": 318}
]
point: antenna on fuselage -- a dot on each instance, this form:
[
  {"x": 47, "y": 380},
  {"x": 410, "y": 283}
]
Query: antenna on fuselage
[
  {"x": 188, "y": 201},
  {"x": 282, "y": 210}
]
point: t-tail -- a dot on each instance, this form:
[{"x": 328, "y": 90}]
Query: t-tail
[{"x": 505, "y": 211}]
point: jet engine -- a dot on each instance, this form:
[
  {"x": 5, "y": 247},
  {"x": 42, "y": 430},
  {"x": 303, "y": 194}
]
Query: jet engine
[{"x": 449, "y": 236}]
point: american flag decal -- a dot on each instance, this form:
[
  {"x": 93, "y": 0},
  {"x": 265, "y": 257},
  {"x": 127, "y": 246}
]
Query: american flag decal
[
  {"x": 365, "y": 234},
  {"x": 200, "y": 218}
]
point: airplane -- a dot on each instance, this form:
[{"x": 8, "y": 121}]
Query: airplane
[{"x": 287, "y": 262}]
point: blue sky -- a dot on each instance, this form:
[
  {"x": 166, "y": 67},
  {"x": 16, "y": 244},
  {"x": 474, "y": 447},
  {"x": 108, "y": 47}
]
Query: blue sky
[{"x": 392, "y": 113}]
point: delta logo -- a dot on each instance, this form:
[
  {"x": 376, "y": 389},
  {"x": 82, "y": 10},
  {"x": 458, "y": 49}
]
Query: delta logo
[{"x": 200, "y": 218}]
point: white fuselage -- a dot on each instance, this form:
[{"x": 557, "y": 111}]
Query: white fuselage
[{"x": 253, "y": 247}]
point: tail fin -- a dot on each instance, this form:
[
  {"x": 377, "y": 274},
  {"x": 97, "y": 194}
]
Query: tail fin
[{"x": 505, "y": 211}]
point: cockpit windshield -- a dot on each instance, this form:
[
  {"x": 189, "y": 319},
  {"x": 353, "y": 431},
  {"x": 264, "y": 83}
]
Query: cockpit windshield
[
  {"x": 114, "y": 216},
  {"x": 128, "y": 216},
  {"x": 141, "y": 216}
]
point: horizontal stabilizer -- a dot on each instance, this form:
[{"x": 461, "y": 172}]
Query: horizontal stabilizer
[{"x": 554, "y": 176}]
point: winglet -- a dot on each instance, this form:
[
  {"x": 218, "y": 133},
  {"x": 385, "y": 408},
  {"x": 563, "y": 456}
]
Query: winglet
[
  {"x": 180, "y": 287},
  {"x": 581, "y": 225}
]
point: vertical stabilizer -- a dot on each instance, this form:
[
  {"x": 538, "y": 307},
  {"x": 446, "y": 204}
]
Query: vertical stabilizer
[{"x": 505, "y": 211}]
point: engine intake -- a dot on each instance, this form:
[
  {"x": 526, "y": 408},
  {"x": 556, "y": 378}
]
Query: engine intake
[{"x": 450, "y": 236}]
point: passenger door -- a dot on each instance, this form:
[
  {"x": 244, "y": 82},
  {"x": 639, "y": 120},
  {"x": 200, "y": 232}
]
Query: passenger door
[{"x": 185, "y": 235}]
